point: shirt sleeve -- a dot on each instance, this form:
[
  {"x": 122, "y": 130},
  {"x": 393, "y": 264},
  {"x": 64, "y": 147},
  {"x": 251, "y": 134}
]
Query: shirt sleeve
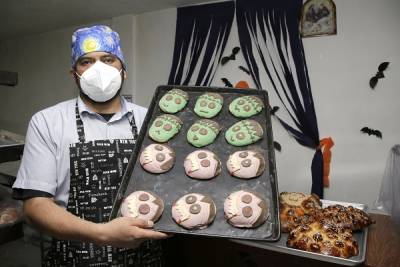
[
  {"x": 24, "y": 194},
  {"x": 38, "y": 165}
]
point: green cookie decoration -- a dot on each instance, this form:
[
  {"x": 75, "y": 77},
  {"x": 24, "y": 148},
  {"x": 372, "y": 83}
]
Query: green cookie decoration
[
  {"x": 203, "y": 132},
  {"x": 246, "y": 106},
  {"x": 173, "y": 101},
  {"x": 208, "y": 105},
  {"x": 244, "y": 133},
  {"x": 165, "y": 127}
]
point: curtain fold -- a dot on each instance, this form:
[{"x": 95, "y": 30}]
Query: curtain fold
[
  {"x": 269, "y": 34},
  {"x": 200, "y": 39}
]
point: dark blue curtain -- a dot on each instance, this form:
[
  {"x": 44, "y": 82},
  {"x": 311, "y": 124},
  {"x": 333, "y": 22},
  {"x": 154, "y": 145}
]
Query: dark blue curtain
[
  {"x": 200, "y": 39},
  {"x": 269, "y": 36}
]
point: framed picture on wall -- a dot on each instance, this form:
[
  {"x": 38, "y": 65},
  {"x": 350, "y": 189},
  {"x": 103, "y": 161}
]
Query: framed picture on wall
[{"x": 318, "y": 17}]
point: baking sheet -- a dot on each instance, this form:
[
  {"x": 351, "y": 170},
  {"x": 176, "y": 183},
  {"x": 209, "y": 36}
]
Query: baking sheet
[
  {"x": 280, "y": 245},
  {"x": 173, "y": 184}
]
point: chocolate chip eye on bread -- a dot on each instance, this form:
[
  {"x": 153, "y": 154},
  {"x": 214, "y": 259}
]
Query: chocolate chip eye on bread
[
  {"x": 294, "y": 209},
  {"x": 325, "y": 238},
  {"x": 298, "y": 209}
]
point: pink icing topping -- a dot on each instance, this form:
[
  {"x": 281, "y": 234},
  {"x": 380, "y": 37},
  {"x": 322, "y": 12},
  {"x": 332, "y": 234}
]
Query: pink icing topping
[
  {"x": 182, "y": 215},
  {"x": 201, "y": 164},
  {"x": 132, "y": 205}
]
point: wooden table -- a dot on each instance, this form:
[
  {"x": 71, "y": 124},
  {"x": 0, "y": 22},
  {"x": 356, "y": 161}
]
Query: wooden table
[
  {"x": 383, "y": 246},
  {"x": 383, "y": 249}
]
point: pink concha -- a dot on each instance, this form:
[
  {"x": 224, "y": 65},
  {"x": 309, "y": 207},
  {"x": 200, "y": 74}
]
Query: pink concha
[
  {"x": 246, "y": 164},
  {"x": 142, "y": 205},
  {"x": 194, "y": 211},
  {"x": 245, "y": 209},
  {"x": 157, "y": 158},
  {"x": 202, "y": 164}
]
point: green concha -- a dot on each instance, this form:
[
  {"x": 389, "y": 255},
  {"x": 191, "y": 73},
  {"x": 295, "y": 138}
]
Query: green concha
[
  {"x": 203, "y": 132},
  {"x": 208, "y": 105},
  {"x": 246, "y": 106},
  {"x": 244, "y": 133},
  {"x": 173, "y": 101},
  {"x": 164, "y": 127}
]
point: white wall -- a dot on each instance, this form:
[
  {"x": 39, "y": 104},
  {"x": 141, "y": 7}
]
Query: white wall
[
  {"x": 154, "y": 50},
  {"x": 43, "y": 76},
  {"x": 340, "y": 67},
  {"x": 43, "y": 62}
]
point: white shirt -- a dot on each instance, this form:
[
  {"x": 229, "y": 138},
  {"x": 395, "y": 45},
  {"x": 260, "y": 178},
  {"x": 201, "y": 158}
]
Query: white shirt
[{"x": 45, "y": 164}]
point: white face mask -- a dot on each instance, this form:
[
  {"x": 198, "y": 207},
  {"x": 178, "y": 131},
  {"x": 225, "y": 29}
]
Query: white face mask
[{"x": 101, "y": 82}]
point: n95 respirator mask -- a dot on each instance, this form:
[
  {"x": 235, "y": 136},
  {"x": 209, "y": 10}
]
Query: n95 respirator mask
[{"x": 100, "y": 82}]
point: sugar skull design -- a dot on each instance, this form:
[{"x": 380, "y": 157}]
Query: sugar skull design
[
  {"x": 194, "y": 211},
  {"x": 246, "y": 164},
  {"x": 164, "y": 127},
  {"x": 245, "y": 209},
  {"x": 203, "y": 132},
  {"x": 142, "y": 205},
  {"x": 208, "y": 105},
  {"x": 157, "y": 158},
  {"x": 244, "y": 133},
  {"x": 202, "y": 164},
  {"x": 246, "y": 106},
  {"x": 173, "y": 101}
]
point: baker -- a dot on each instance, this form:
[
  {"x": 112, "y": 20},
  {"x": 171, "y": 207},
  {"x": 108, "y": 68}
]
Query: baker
[{"x": 75, "y": 155}]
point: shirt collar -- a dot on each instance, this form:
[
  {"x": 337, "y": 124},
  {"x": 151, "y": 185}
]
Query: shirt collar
[{"x": 124, "y": 109}]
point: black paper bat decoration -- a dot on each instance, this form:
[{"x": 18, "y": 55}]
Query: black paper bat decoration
[
  {"x": 274, "y": 109},
  {"x": 371, "y": 131},
  {"x": 226, "y": 82},
  {"x": 244, "y": 70},
  {"x": 232, "y": 56},
  {"x": 379, "y": 75},
  {"x": 277, "y": 146}
]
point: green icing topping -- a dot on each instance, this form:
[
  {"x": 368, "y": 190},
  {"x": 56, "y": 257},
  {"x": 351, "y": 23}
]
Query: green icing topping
[
  {"x": 173, "y": 101},
  {"x": 244, "y": 133},
  {"x": 203, "y": 132},
  {"x": 208, "y": 105},
  {"x": 246, "y": 106},
  {"x": 164, "y": 127}
]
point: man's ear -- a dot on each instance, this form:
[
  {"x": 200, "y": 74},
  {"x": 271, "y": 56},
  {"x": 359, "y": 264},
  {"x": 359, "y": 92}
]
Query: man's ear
[
  {"x": 72, "y": 73},
  {"x": 125, "y": 74}
]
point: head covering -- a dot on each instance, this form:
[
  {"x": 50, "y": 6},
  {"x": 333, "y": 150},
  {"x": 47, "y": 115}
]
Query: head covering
[{"x": 98, "y": 38}]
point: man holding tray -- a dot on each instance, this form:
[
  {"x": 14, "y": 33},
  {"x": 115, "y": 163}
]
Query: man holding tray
[{"x": 75, "y": 155}]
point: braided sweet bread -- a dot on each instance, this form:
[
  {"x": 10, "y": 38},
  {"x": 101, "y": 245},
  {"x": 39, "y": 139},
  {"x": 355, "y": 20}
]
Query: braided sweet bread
[{"x": 325, "y": 238}]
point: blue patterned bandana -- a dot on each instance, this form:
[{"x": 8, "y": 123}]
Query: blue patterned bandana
[{"x": 97, "y": 38}]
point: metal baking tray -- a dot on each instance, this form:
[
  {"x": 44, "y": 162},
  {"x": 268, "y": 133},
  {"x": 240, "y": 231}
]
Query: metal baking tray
[
  {"x": 173, "y": 184},
  {"x": 280, "y": 245}
]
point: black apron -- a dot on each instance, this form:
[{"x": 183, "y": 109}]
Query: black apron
[{"x": 96, "y": 170}]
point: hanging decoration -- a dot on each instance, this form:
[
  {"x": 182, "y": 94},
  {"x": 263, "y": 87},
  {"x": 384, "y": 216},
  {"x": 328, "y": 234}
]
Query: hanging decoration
[
  {"x": 379, "y": 75},
  {"x": 269, "y": 35},
  {"x": 371, "y": 131},
  {"x": 201, "y": 35},
  {"x": 244, "y": 70},
  {"x": 232, "y": 56},
  {"x": 226, "y": 82}
]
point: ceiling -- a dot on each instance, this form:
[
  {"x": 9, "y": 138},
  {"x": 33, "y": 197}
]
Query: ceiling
[{"x": 24, "y": 17}]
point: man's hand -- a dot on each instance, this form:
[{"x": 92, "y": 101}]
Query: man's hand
[
  {"x": 126, "y": 232},
  {"x": 56, "y": 221}
]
